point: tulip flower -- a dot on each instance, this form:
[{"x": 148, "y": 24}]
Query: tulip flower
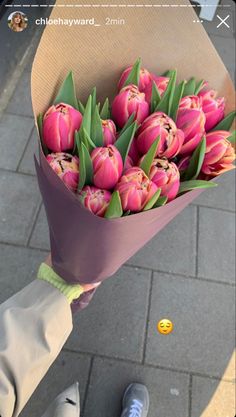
[
  {"x": 191, "y": 120},
  {"x": 183, "y": 163},
  {"x": 133, "y": 152},
  {"x": 135, "y": 189},
  {"x": 107, "y": 167},
  {"x": 161, "y": 83},
  {"x": 59, "y": 125},
  {"x": 213, "y": 107},
  {"x": 95, "y": 199},
  {"x": 166, "y": 176},
  {"x": 159, "y": 124},
  {"x": 109, "y": 132},
  {"x": 220, "y": 154},
  {"x": 144, "y": 78},
  {"x": 128, "y": 163},
  {"x": 66, "y": 167},
  {"x": 129, "y": 101}
]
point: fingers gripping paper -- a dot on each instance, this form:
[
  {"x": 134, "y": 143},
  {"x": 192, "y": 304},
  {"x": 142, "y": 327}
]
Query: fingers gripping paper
[{"x": 87, "y": 248}]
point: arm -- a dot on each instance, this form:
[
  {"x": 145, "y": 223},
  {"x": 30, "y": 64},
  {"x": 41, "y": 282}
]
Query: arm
[{"x": 34, "y": 325}]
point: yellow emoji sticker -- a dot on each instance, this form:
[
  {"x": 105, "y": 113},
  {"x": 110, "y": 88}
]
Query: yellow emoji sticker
[{"x": 165, "y": 326}]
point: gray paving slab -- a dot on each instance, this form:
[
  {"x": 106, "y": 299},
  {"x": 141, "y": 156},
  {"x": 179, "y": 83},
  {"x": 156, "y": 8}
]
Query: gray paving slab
[
  {"x": 114, "y": 323},
  {"x": 27, "y": 163},
  {"x": 221, "y": 395},
  {"x": 203, "y": 315},
  {"x": 20, "y": 102},
  {"x": 18, "y": 267},
  {"x": 222, "y": 196},
  {"x": 67, "y": 369},
  {"x": 216, "y": 245},
  {"x": 40, "y": 235},
  {"x": 225, "y": 48},
  {"x": 18, "y": 208},
  {"x": 223, "y": 30},
  {"x": 14, "y": 135},
  {"x": 174, "y": 248},
  {"x": 168, "y": 390}
]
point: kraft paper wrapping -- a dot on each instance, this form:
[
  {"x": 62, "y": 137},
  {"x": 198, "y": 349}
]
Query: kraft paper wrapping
[{"x": 87, "y": 248}]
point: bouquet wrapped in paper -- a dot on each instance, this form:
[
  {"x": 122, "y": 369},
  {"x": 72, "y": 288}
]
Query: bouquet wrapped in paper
[{"x": 112, "y": 175}]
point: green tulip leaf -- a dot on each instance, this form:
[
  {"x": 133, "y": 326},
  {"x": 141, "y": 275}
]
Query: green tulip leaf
[
  {"x": 149, "y": 157},
  {"x": 96, "y": 128},
  {"x": 226, "y": 123},
  {"x": 66, "y": 93},
  {"x": 127, "y": 213},
  {"x": 81, "y": 107},
  {"x": 134, "y": 75},
  {"x": 114, "y": 208},
  {"x": 124, "y": 141},
  {"x": 192, "y": 184},
  {"x": 167, "y": 73},
  {"x": 85, "y": 167},
  {"x": 199, "y": 86},
  {"x": 179, "y": 90},
  {"x": 153, "y": 200},
  {"x": 40, "y": 130},
  {"x": 232, "y": 138},
  {"x": 94, "y": 99},
  {"x": 165, "y": 103},
  {"x": 161, "y": 201},
  {"x": 156, "y": 98},
  {"x": 190, "y": 87},
  {"x": 87, "y": 141},
  {"x": 86, "y": 121},
  {"x": 128, "y": 123},
  {"x": 196, "y": 161},
  {"x": 105, "y": 112}
]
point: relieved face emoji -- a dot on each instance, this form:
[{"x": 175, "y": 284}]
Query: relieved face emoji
[{"x": 165, "y": 326}]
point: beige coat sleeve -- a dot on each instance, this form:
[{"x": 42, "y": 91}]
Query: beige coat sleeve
[{"x": 34, "y": 325}]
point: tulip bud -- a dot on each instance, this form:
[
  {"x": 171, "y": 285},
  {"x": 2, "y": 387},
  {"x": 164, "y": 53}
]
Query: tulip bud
[
  {"x": 159, "y": 124},
  {"x": 107, "y": 166},
  {"x": 66, "y": 167},
  {"x": 95, "y": 199},
  {"x": 133, "y": 152},
  {"x": 128, "y": 163},
  {"x": 144, "y": 78},
  {"x": 109, "y": 132},
  {"x": 161, "y": 83},
  {"x": 166, "y": 176},
  {"x": 191, "y": 120},
  {"x": 129, "y": 101},
  {"x": 135, "y": 189},
  {"x": 219, "y": 155},
  {"x": 59, "y": 125},
  {"x": 213, "y": 107},
  {"x": 183, "y": 163}
]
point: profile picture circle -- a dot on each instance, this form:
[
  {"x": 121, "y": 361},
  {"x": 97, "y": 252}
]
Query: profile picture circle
[{"x": 17, "y": 21}]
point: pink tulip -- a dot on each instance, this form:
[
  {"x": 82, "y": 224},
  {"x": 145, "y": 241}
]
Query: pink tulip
[
  {"x": 128, "y": 163},
  {"x": 161, "y": 83},
  {"x": 107, "y": 167},
  {"x": 213, "y": 107},
  {"x": 220, "y": 154},
  {"x": 59, "y": 125},
  {"x": 109, "y": 132},
  {"x": 135, "y": 189},
  {"x": 133, "y": 152},
  {"x": 95, "y": 199},
  {"x": 66, "y": 167},
  {"x": 129, "y": 101},
  {"x": 166, "y": 176},
  {"x": 144, "y": 78},
  {"x": 191, "y": 120},
  {"x": 183, "y": 163},
  {"x": 171, "y": 138}
]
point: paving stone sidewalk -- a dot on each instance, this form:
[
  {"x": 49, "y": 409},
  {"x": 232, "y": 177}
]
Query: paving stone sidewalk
[{"x": 185, "y": 273}]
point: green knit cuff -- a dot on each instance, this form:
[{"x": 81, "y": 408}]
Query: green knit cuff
[{"x": 71, "y": 291}]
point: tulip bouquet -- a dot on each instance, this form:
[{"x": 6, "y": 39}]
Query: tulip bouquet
[
  {"x": 112, "y": 176},
  {"x": 158, "y": 140}
]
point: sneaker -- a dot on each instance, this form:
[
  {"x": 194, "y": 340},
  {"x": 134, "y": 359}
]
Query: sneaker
[{"x": 135, "y": 401}]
